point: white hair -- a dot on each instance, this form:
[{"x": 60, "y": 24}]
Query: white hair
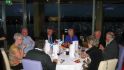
[{"x": 16, "y": 35}]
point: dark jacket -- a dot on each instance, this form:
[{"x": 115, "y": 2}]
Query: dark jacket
[
  {"x": 45, "y": 37},
  {"x": 111, "y": 51},
  {"x": 43, "y": 57},
  {"x": 96, "y": 56}
]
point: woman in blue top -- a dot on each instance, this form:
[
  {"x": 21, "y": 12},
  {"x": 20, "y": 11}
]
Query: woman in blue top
[{"x": 70, "y": 37}]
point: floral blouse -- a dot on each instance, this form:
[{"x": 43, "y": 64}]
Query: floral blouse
[{"x": 15, "y": 55}]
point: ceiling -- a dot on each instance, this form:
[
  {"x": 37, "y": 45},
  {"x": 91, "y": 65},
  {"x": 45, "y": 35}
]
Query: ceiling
[
  {"x": 111, "y": 10},
  {"x": 68, "y": 1}
]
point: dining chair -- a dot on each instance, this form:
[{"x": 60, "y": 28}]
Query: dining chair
[
  {"x": 31, "y": 64},
  {"x": 5, "y": 58},
  {"x": 108, "y": 64},
  {"x": 121, "y": 57}
]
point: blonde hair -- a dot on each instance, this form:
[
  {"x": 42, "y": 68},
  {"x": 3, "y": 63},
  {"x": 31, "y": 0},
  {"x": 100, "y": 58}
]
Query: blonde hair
[{"x": 16, "y": 35}]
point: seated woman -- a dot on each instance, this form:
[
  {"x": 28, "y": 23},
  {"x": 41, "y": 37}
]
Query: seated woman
[
  {"x": 16, "y": 53},
  {"x": 70, "y": 37},
  {"x": 94, "y": 53}
]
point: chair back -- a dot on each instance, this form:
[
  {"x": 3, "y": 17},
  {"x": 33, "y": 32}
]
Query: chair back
[
  {"x": 31, "y": 64},
  {"x": 6, "y": 60},
  {"x": 102, "y": 65},
  {"x": 121, "y": 57},
  {"x": 108, "y": 64}
]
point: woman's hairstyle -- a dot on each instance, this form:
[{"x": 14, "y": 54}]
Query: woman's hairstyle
[
  {"x": 40, "y": 44},
  {"x": 90, "y": 39},
  {"x": 16, "y": 35}
]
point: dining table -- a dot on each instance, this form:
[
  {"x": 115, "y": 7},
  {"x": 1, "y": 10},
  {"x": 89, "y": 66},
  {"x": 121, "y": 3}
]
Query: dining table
[{"x": 65, "y": 62}]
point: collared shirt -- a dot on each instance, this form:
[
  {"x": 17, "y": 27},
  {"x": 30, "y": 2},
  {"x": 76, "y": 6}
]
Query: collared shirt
[
  {"x": 38, "y": 49},
  {"x": 50, "y": 40},
  {"x": 109, "y": 42},
  {"x": 29, "y": 43}
]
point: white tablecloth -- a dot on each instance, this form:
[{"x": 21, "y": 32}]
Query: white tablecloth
[{"x": 68, "y": 64}]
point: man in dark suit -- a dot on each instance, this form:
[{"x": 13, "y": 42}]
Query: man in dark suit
[
  {"x": 111, "y": 50},
  {"x": 50, "y": 36},
  {"x": 39, "y": 55}
]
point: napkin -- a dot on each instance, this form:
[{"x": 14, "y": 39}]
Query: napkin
[
  {"x": 76, "y": 45},
  {"x": 72, "y": 51},
  {"x": 47, "y": 47},
  {"x": 55, "y": 49}
]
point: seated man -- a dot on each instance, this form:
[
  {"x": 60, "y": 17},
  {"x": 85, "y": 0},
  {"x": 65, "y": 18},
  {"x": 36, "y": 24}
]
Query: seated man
[
  {"x": 27, "y": 40},
  {"x": 49, "y": 35},
  {"x": 97, "y": 35},
  {"x": 111, "y": 50},
  {"x": 39, "y": 55}
]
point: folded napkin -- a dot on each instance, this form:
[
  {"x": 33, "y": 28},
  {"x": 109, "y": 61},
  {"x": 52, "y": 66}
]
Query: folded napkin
[
  {"x": 76, "y": 45},
  {"x": 47, "y": 47},
  {"x": 55, "y": 49},
  {"x": 72, "y": 51}
]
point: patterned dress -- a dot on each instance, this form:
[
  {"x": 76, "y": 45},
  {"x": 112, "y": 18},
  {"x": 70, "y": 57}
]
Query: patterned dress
[{"x": 13, "y": 58}]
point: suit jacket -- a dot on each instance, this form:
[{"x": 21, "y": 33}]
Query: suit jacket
[
  {"x": 45, "y": 37},
  {"x": 43, "y": 57},
  {"x": 96, "y": 56},
  {"x": 121, "y": 57},
  {"x": 111, "y": 51}
]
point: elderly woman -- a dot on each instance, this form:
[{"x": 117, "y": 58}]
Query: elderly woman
[
  {"x": 16, "y": 53},
  {"x": 93, "y": 52}
]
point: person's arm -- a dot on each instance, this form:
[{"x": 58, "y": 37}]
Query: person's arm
[
  {"x": 17, "y": 53},
  {"x": 50, "y": 64},
  {"x": 30, "y": 45},
  {"x": 32, "y": 42}
]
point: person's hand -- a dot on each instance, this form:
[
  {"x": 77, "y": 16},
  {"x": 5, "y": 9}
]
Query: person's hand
[
  {"x": 65, "y": 45},
  {"x": 2, "y": 38},
  {"x": 55, "y": 61},
  {"x": 24, "y": 46},
  {"x": 101, "y": 47}
]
